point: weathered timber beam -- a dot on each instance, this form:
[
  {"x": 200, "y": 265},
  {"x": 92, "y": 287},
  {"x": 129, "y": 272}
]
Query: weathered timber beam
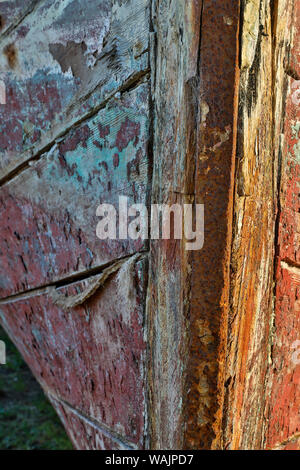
[
  {"x": 195, "y": 111},
  {"x": 266, "y": 39},
  {"x": 13, "y": 13}
]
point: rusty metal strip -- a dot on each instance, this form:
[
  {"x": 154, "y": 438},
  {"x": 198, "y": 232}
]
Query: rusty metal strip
[{"x": 195, "y": 97}]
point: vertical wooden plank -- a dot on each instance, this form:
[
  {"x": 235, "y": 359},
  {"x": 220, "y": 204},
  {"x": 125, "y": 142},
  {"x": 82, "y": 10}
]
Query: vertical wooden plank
[
  {"x": 48, "y": 211},
  {"x": 84, "y": 433}
]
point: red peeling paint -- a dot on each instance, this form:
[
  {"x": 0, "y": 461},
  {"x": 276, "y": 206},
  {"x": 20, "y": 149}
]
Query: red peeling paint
[{"x": 129, "y": 131}]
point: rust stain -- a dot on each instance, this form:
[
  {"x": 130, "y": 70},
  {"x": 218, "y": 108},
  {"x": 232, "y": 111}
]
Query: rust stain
[{"x": 10, "y": 52}]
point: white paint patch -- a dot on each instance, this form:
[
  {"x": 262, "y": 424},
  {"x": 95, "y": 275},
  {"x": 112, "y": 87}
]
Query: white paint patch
[{"x": 227, "y": 20}]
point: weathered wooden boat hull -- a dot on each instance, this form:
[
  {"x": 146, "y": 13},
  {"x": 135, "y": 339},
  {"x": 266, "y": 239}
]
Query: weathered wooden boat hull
[{"x": 142, "y": 343}]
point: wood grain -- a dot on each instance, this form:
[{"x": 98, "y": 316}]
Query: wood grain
[{"x": 48, "y": 211}]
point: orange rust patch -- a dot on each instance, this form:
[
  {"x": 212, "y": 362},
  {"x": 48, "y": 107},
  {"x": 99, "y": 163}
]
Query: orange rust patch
[{"x": 11, "y": 55}]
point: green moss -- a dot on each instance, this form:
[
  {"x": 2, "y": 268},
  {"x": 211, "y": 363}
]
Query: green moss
[{"x": 27, "y": 419}]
